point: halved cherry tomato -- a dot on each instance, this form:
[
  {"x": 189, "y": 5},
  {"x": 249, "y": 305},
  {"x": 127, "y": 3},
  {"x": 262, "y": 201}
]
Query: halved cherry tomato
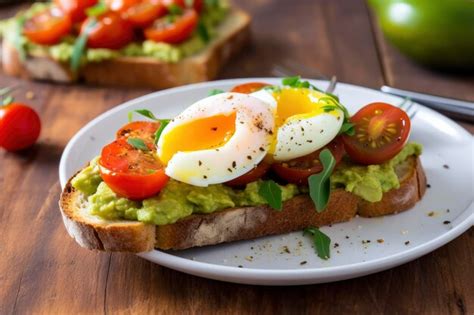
[
  {"x": 298, "y": 170},
  {"x": 144, "y": 130},
  {"x": 163, "y": 30},
  {"x": 196, "y": 4},
  {"x": 130, "y": 172},
  {"x": 248, "y": 88},
  {"x": 20, "y": 126},
  {"x": 144, "y": 13},
  {"x": 76, "y": 9},
  {"x": 111, "y": 31},
  {"x": 381, "y": 131},
  {"x": 121, "y": 5},
  {"x": 256, "y": 173},
  {"x": 47, "y": 27}
]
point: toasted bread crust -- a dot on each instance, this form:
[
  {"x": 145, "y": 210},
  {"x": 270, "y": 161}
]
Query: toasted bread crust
[
  {"x": 236, "y": 223},
  {"x": 145, "y": 72}
]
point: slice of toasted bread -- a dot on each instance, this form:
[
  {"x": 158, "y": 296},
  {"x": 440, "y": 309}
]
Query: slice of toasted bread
[
  {"x": 235, "y": 223},
  {"x": 146, "y": 72}
]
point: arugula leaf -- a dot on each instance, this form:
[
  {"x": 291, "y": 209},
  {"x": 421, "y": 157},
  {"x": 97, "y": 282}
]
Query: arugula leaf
[
  {"x": 146, "y": 113},
  {"x": 271, "y": 192},
  {"x": 138, "y": 143},
  {"x": 96, "y": 10},
  {"x": 347, "y": 128},
  {"x": 320, "y": 184},
  {"x": 215, "y": 92},
  {"x": 321, "y": 242},
  {"x": 163, "y": 124},
  {"x": 203, "y": 32},
  {"x": 80, "y": 46}
]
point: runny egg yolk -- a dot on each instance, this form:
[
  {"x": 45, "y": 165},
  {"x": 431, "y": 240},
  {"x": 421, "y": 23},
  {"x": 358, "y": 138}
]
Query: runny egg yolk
[
  {"x": 200, "y": 134},
  {"x": 297, "y": 103}
]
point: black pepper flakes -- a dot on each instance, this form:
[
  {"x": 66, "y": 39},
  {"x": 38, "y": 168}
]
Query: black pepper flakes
[
  {"x": 407, "y": 242},
  {"x": 234, "y": 164},
  {"x": 304, "y": 262},
  {"x": 428, "y": 186},
  {"x": 200, "y": 163},
  {"x": 204, "y": 176},
  {"x": 229, "y": 169},
  {"x": 214, "y": 128},
  {"x": 261, "y": 149},
  {"x": 446, "y": 222},
  {"x": 249, "y": 157},
  {"x": 336, "y": 245},
  {"x": 347, "y": 237},
  {"x": 240, "y": 266},
  {"x": 446, "y": 166}
]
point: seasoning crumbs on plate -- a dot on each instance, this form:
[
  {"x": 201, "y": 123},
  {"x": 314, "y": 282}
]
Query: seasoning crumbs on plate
[
  {"x": 407, "y": 243},
  {"x": 380, "y": 240}
]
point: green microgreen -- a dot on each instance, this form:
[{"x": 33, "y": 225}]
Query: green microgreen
[
  {"x": 143, "y": 112},
  {"x": 138, "y": 143},
  {"x": 271, "y": 192},
  {"x": 347, "y": 128},
  {"x": 296, "y": 82},
  {"x": 97, "y": 10},
  {"x": 163, "y": 124},
  {"x": 320, "y": 184},
  {"x": 80, "y": 45},
  {"x": 321, "y": 241},
  {"x": 215, "y": 92}
]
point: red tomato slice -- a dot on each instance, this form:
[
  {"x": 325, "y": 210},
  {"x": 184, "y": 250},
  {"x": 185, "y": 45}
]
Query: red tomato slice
[
  {"x": 130, "y": 172},
  {"x": 110, "y": 31},
  {"x": 298, "y": 170},
  {"x": 47, "y": 27},
  {"x": 75, "y": 9},
  {"x": 196, "y": 4},
  {"x": 20, "y": 127},
  {"x": 162, "y": 30},
  {"x": 248, "y": 88},
  {"x": 144, "y": 130},
  {"x": 381, "y": 131},
  {"x": 251, "y": 176}
]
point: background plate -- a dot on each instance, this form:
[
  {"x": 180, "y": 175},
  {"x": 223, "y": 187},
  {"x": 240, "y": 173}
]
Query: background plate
[{"x": 357, "y": 246}]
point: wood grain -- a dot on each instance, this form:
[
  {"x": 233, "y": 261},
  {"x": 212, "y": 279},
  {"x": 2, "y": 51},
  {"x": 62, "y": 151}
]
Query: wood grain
[{"x": 43, "y": 271}]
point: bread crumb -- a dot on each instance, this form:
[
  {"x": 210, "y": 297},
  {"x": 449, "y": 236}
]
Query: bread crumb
[
  {"x": 249, "y": 258},
  {"x": 380, "y": 240},
  {"x": 30, "y": 95},
  {"x": 431, "y": 214},
  {"x": 285, "y": 249}
]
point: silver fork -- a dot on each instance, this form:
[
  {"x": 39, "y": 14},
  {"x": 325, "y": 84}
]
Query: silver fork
[{"x": 290, "y": 67}]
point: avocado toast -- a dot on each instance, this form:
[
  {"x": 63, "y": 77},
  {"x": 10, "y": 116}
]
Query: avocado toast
[{"x": 253, "y": 193}]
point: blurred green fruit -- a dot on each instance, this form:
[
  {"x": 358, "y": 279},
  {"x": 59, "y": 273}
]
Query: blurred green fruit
[{"x": 436, "y": 33}]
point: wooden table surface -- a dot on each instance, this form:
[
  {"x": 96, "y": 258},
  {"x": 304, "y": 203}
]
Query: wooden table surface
[{"x": 42, "y": 270}]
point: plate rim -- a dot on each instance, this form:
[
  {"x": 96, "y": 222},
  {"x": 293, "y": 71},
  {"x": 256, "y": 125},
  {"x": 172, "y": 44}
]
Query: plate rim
[{"x": 277, "y": 276}]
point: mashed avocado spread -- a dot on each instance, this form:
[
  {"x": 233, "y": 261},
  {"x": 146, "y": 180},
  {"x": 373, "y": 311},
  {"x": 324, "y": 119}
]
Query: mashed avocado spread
[
  {"x": 178, "y": 200},
  {"x": 62, "y": 52}
]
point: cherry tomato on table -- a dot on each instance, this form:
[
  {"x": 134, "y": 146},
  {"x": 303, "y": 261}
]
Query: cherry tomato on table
[
  {"x": 75, "y": 9},
  {"x": 47, "y": 27},
  {"x": 144, "y": 130},
  {"x": 111, "y": 31},
  {"x": 248, "y": 88},
  {"x": 20, "y": 126},
  {"x": 251, "y": 176},
  {"x": 298, "y": 170},
  {"x": 130, "y": 172},
  {"x": 196, "y": 4},
  {"x": 172, "y": 32},
  {"x": 381, "y": 131}
]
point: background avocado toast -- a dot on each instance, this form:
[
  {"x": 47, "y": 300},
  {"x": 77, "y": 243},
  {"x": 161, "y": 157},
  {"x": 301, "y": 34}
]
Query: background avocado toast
[
  {"x": 221, "y": 33},
  {"x": 98, "y": 218}
]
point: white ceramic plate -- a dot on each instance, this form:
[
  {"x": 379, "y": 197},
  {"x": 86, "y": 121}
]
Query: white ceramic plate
[{"x": 290, "y": 259}]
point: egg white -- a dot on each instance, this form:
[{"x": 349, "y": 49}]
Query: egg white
[
  {"x": 249, "y": 144},
  {"x": 302, "y": 134}
]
